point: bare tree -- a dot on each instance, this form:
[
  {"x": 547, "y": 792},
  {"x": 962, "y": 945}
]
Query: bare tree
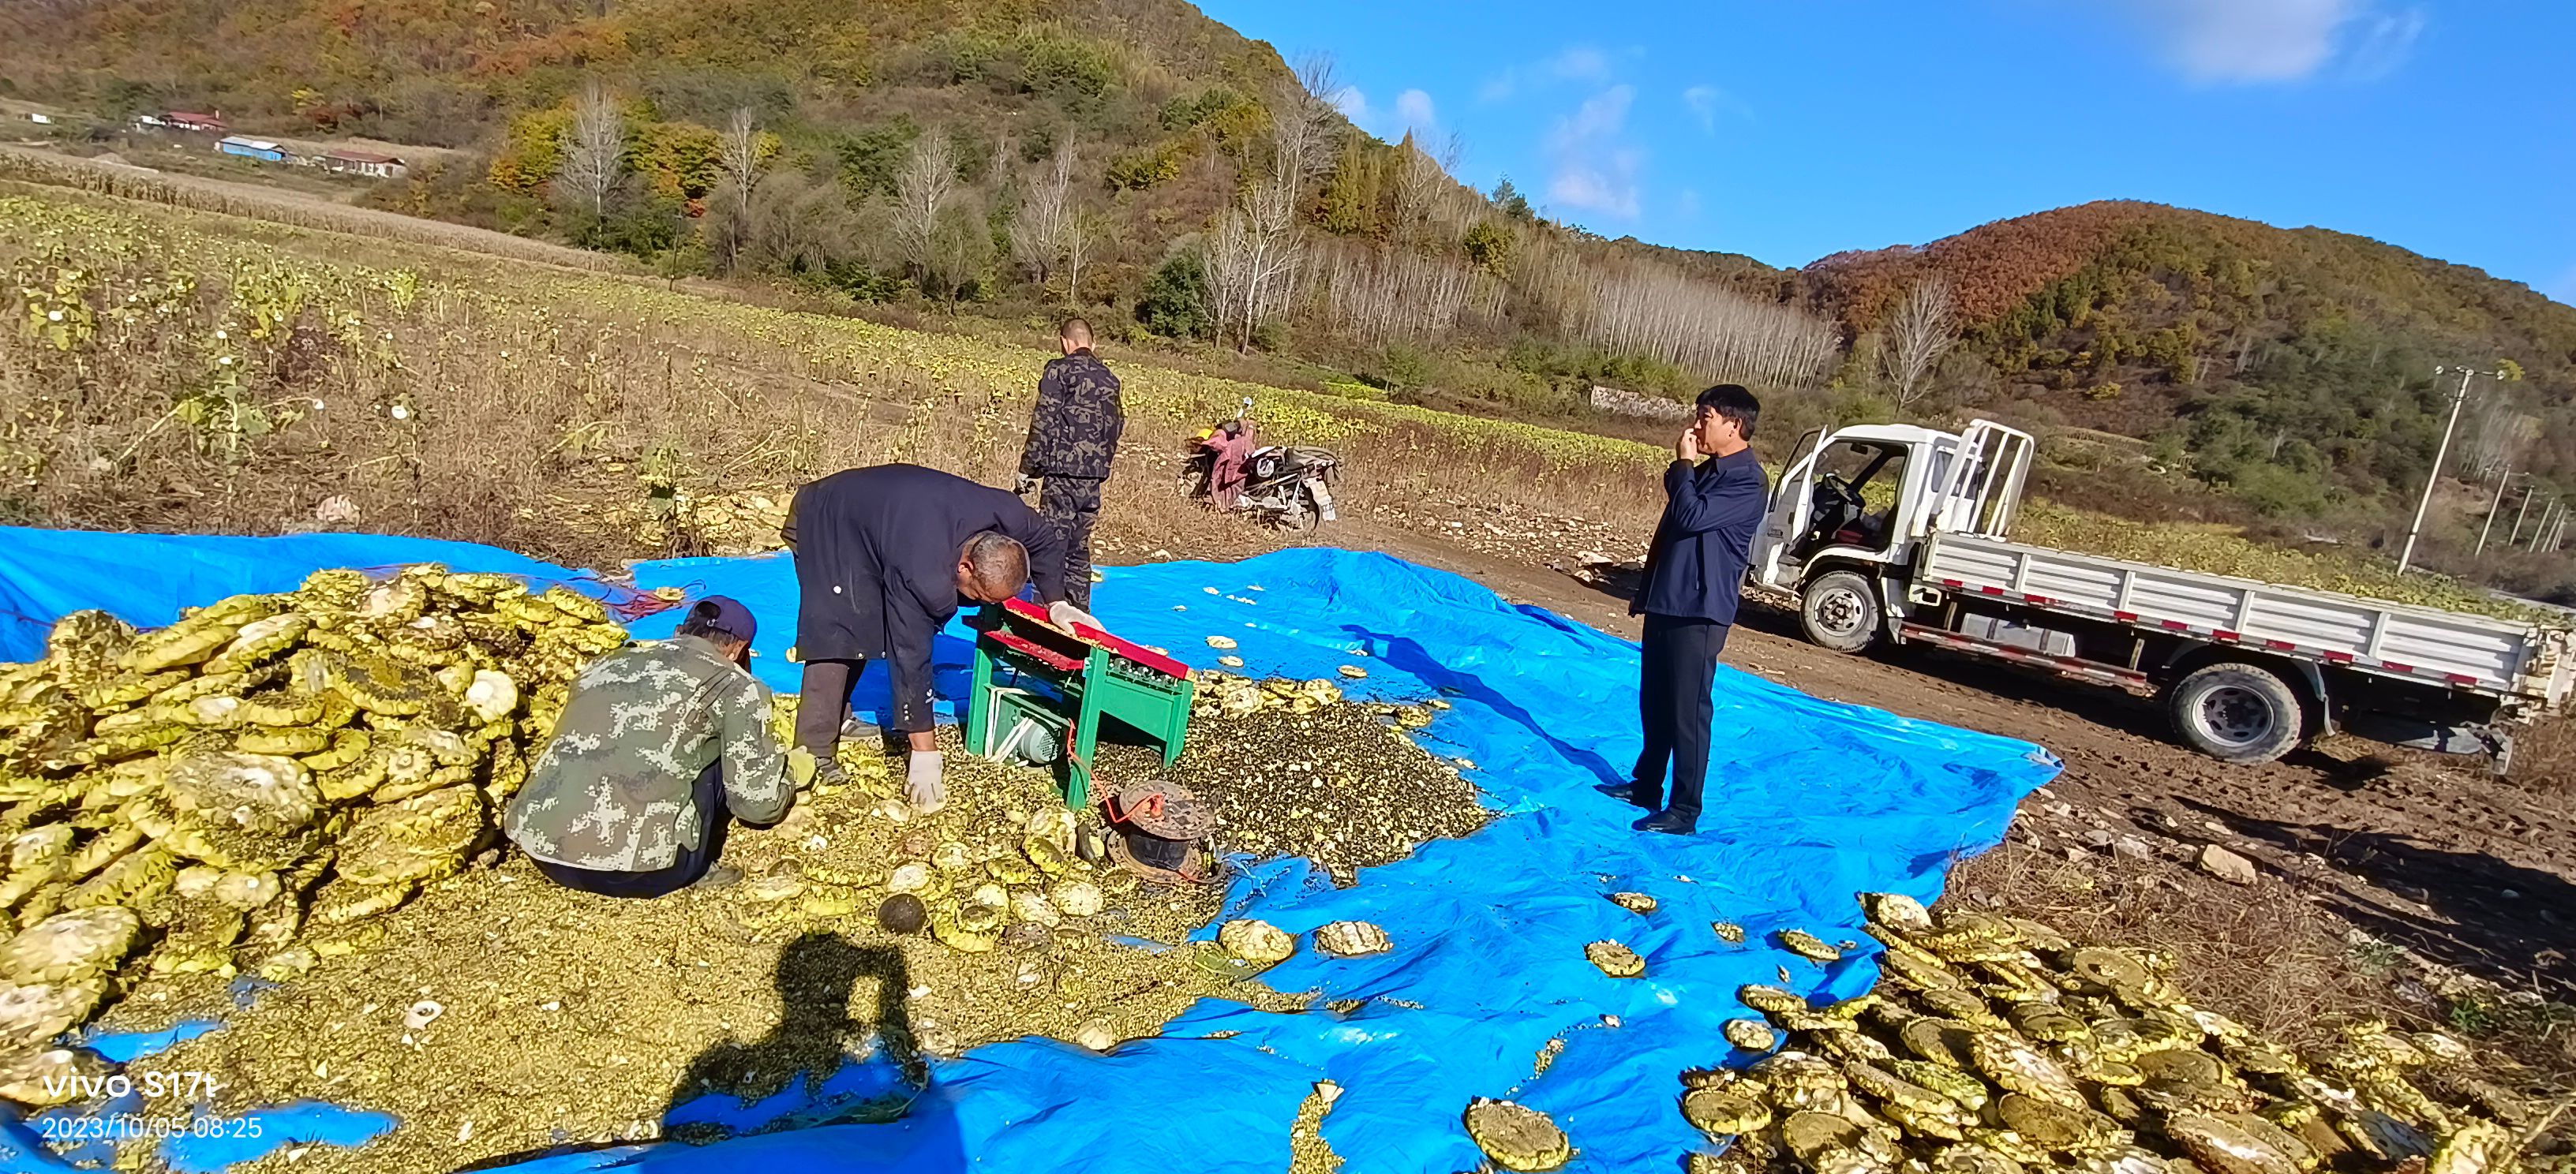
[
  {"x": 1038, "y": 226},
  {"x": 1421, "y": 179},
  {"x": 1925, "y": 327},
  {"x": 738, "y": 154},
  {"x": 1258, "y": 249},
  {"x": 921, "y": 191},
  {"x": 1652, "y": 309},
  {"x": 1076, "y": 239},
  {"x": 595, "y": 152},
  {"x": 798, "y": 226}
]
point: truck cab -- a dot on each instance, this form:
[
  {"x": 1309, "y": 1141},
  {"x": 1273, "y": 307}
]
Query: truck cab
[{"x": 1852, "y": 509}]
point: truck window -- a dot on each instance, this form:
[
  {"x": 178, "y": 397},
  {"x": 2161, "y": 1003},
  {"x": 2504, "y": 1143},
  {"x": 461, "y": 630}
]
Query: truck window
[{"x": 1857, "y": 484}]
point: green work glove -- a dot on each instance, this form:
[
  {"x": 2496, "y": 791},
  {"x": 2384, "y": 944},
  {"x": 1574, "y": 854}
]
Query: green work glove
[{"x": 801, "y": 766}]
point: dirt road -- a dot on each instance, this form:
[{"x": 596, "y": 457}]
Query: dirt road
[{"x": 2463, "y": 869}]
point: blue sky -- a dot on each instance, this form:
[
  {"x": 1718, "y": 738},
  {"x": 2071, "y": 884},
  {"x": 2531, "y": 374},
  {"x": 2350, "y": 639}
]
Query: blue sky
[{"x": 1789, "y": 130}]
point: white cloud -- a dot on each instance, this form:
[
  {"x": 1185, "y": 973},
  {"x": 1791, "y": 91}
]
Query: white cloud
[
  {"x": 2223, "y": 41},
  {"x": 1581, "y": 63},
  {"x": 1708, "y": 103},
  {"x": 1596, "y": 167},
  {"x": 2384, "y": 43},
  {"x": 1687, "y": 204},
  {"x": 1575, "y": 63},
  {"x": 1415, "y": 112}
]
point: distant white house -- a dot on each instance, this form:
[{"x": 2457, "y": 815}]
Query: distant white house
[
  {"x": 40, "y": 118},
  {"x": 367, "y": 163}
]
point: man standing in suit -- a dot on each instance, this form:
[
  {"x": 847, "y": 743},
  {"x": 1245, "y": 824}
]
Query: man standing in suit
[{"x": 1694, "y": 575}]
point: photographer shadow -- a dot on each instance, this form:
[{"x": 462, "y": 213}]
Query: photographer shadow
[{"x": 804, "y": 1073}]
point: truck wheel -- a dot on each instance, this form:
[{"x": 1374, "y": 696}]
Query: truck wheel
[
  {"x": 1840, "y": 612},
  {"x": 2236, "y": 712}
]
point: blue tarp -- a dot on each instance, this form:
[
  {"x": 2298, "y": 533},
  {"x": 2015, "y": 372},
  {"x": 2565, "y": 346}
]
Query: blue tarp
[{"x": 1810, "y": 802}]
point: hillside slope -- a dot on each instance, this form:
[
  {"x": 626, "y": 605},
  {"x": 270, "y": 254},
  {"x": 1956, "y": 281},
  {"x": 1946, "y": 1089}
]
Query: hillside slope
[
  {"x": 2291, "y": 370},
  {"x": 2296, "y": 365}
]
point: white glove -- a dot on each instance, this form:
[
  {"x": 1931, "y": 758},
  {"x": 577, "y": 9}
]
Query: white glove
[
  {"x": 1065, "y": 615},
  {"x": 1026, "y": 484},
  {"x": 921, "y": 785}
]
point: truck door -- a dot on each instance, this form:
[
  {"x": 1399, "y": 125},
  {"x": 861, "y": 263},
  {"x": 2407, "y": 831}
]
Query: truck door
[{"x": 1787, "y": 518}]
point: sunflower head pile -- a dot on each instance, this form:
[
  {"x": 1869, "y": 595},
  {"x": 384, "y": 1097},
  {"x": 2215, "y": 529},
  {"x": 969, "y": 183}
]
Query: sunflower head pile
[
  {"x": 1993, "y": 1045},
  {"x": 257, "y": 779}
]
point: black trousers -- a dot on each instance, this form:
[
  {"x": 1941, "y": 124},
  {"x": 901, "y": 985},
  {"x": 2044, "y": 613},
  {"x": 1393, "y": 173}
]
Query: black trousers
[
  {"x": 1679, "y": 667},
  {"x": 692, "y": 863},
  {"x": 823, "y": 703},
  {"x": 1073, "y": 504}
]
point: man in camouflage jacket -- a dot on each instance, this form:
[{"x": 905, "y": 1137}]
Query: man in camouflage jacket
[
  {"x": 658, "y": 741},
  {"x": 1073, "y": 437}
]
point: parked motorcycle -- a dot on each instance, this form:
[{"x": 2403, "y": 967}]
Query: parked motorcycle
[{"x": 1287, "y": 485}]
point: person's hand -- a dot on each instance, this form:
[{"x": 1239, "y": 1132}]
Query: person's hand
[
  {"x": 801, "y": 765},
  {"x": 921, "y": 785},
  {"x": 1687, "y": 448},
  {"x": 1063, "y": 614},
  {"x": 1026, "y": 484}
]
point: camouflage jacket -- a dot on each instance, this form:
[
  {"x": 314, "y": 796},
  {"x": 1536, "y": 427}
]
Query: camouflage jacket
[
  {"x": 615, "y": 788},
  {"x": 1073, "y": 431}
]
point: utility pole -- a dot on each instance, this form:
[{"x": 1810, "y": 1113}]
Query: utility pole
[
  {"x": 2493, "y": 508},
  {"x": 2406, "y": 557},
  {"x": 2546, "y": 513},
  {"x": 2529, "y": 491}
]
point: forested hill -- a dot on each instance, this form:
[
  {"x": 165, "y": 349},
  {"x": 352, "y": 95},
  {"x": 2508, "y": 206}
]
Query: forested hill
[
  {"x": 451, "y": 72},
  {"x": 2294, "y": 364},
  {"x": 1173, "y": 179}
]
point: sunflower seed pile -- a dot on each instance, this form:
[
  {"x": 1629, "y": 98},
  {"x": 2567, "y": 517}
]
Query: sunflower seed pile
[
  {"x": 1292, "y": 768},
  {"x": 255, "y": 782},
  {"x": 574, "y": 1019},
  {"x": 1993, "y": 1045}
]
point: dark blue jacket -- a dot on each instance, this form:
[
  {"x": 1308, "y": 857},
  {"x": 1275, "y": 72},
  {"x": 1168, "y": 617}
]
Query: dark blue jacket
[
  {"x": 1695, "y": 565},
  {"x": 876, "y": 566}
]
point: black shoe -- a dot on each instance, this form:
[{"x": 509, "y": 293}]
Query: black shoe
[
  {"x": 1667, "y": 823},
  {"x": 1623, "y": 792}
]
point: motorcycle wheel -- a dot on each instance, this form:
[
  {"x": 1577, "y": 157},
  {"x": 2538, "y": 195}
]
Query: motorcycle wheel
[{"x": 1306, "y": 517}]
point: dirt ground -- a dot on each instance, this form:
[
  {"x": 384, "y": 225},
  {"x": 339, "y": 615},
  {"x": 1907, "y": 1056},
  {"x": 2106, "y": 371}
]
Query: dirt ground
[{"x": 2429, "y": 857}]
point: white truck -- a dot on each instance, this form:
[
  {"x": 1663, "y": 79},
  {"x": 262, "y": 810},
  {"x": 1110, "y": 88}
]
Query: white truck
[{"x": 1895, "y": 536}]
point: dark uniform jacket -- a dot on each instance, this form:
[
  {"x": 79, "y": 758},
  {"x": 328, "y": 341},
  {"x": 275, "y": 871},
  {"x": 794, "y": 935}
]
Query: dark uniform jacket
[
  {"x": 1695, "y": 565},
  {"x": 1073, "y": 431},
  {"x": 876, "y": 566}
]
